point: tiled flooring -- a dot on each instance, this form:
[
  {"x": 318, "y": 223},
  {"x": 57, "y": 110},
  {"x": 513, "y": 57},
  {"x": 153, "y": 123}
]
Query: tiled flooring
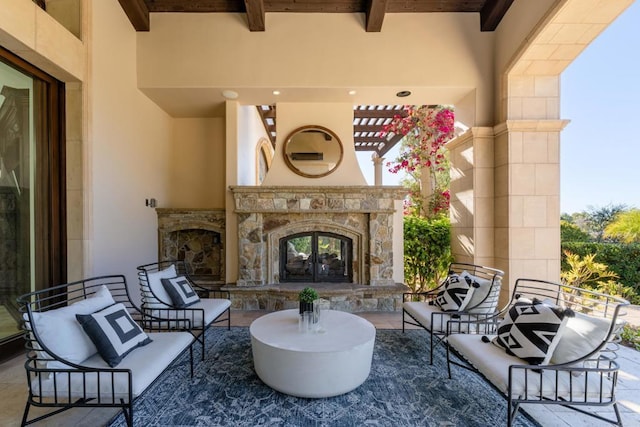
[{"x": 13, "y": 389}]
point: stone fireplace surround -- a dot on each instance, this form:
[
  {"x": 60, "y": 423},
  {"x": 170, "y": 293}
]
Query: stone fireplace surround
[
  {"x": 203, "y": 250},
  {"x": 364, "y": 214}
]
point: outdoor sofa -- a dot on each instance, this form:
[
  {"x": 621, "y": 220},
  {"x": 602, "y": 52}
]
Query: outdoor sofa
[
  {"x": 468, "y": 292},
  {"x": 85, "y": 347},
  {"x": 553, "y": 344},
  {"x": 163, "y": 297}
]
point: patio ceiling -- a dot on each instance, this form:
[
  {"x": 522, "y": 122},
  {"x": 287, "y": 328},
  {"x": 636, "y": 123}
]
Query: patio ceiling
[
  {"x": 491, "y": 11},
  {"x": 368, "y": 120}
]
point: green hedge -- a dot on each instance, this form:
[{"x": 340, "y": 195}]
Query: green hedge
[
  {"x": 427, "y": 251},
  {"x": 623, "y": 259}
]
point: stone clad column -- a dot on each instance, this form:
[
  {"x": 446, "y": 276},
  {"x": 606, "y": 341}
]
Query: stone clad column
[
  {"x": 527, "y": 180},
  {"x": 527, "y": 202},
  {"x": 471, "y": 211}
]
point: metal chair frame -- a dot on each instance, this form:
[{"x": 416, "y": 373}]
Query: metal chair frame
[
  {"x": 598, "y": 363},
  {"x": 169, "y": 313},
  {"x": 437, "y": 330},
  {"x": 38, "y": 354}
]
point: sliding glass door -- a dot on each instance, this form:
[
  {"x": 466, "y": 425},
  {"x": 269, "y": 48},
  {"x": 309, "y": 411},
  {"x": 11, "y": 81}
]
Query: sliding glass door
[{"x": 32, "y": 214}]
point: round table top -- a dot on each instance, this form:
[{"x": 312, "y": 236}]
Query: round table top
[{"x": 342, "y": 331}]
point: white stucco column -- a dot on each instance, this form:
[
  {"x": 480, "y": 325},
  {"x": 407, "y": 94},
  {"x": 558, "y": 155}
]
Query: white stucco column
[{"x": 377, "y": 168}]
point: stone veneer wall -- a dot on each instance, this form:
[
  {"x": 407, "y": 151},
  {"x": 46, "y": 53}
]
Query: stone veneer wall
[
  {"x": 363, "y": 213},
  {"x": 201, "y": 262}
]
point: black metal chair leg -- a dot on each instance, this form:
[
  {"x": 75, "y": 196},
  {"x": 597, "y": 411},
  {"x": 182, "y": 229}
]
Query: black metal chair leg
[{"x": 25, "y": 414}]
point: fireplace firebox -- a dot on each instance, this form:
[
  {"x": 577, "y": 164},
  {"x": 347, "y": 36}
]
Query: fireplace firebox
[{"x": 316, "y": 257}]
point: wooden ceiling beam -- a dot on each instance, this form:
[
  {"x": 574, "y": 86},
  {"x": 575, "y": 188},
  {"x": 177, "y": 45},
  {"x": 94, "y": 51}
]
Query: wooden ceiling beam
[
  {"x": 375, "y": 15},
  {"x": 492, "y": 13},
  {"x": 137, "y": 12},
  {"x": 255, "y": 14}
]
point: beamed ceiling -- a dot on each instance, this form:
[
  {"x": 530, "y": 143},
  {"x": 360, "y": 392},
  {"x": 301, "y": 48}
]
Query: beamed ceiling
[
  {"x": 491, "y": 11},
  {"x": 368, "y": 120}
]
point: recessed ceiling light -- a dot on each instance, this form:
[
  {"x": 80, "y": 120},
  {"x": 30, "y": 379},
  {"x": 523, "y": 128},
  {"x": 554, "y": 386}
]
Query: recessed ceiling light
[
  {"x": 230, "y": 94},
  {"x": 276, "y": 92},
  {"x": 352, "y": 92},
  {"x": 403, "y": 93}
]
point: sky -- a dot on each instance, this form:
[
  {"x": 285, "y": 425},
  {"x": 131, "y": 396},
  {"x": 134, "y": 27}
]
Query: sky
[
  {"x": 600, "y": 147},
  {"x": 600, "y": 94}
]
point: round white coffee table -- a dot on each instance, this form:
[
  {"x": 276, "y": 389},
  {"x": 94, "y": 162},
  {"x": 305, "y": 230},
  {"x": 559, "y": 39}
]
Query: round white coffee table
[{"x": 311, "y": 364}]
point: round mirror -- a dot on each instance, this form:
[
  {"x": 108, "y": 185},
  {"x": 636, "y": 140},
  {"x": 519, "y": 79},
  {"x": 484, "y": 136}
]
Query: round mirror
[{"x": 312, "y": 151}]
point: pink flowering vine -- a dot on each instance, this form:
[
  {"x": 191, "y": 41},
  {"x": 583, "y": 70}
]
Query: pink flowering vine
[{"x": 425, "y": 129}]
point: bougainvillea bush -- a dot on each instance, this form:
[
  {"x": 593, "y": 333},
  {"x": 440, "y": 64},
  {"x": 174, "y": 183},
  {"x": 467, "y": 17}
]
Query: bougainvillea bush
[{"x": 423, "y": 157}]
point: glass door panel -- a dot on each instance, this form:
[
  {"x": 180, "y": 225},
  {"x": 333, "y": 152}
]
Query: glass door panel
[
  {"x": 17, "y": 163},
  {"x": 299, "y": 256},
  {"x": 315, "y": 257},
  {"x": 331, "y": 258}
]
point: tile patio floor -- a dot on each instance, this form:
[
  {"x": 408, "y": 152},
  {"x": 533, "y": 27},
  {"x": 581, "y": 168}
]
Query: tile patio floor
[{"x": 13, "y": 388}]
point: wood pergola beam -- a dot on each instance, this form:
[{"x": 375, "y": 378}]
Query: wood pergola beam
[
  {"x": 375, "y": 15},
  {"x": 255, "y": 14},
  {"x": 137, "y": 12},
  {"x": 492, "y": 13}
]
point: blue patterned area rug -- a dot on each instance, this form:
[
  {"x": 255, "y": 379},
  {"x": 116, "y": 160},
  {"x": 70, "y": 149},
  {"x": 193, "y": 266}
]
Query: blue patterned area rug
[{"x": 402, "y": 390}]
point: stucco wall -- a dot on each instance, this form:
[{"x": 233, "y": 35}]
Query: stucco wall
[
  {"x": 197, "y": 164},
  {"x": 130, "y": 140},
  {"x": 336, "y": 117},
  {"x": 250, "y": 133}
]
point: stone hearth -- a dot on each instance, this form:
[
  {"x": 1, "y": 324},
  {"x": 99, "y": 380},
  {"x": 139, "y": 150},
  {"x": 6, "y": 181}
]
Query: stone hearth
[{"x": 363, "y": 214}]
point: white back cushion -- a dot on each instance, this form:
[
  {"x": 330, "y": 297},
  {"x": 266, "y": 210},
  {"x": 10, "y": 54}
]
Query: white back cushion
[
  {"x": 161, "y": 298},
  {"x": 60, "y": 331},
  {"x": 582, "y": 334},
  {"x": 485, "y": 295}
]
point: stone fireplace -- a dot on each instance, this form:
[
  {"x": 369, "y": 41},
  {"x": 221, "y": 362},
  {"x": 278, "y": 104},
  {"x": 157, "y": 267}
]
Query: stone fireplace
[
  {"x": 195, "y": 236},
  {"x": 363, "y": 216}
]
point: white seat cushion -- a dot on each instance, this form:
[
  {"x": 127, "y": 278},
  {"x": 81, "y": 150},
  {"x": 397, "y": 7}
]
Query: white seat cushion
[
  {"x": 422, "y": 311},
  {"x": 493, "y": 362},
  {"x": 146, "y": 364},
  {"x": 213, "y": 307}
]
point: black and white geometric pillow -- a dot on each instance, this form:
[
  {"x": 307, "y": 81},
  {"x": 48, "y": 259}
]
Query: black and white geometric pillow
[
  {"x": 180, "y": 290},
  {"x": 113, "y": 332},
  {"x": 531, "y": 330},
  {"x": 456, "y": 294}
]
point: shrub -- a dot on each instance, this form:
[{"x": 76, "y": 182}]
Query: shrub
[
  {"x": 622, "y": 259},
  {"x": 427, "y": 251},
  {"x": 572, "y": 233},
  {"x": 631, "y": 336}
]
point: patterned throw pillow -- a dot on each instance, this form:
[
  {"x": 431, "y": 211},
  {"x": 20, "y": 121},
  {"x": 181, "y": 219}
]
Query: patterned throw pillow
[
  {"x": 531, "y": 330},
  {"x": 456, "y": 294},
  {"x": 113, "y": 332},
  {"x": 181, "y": 293}
]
